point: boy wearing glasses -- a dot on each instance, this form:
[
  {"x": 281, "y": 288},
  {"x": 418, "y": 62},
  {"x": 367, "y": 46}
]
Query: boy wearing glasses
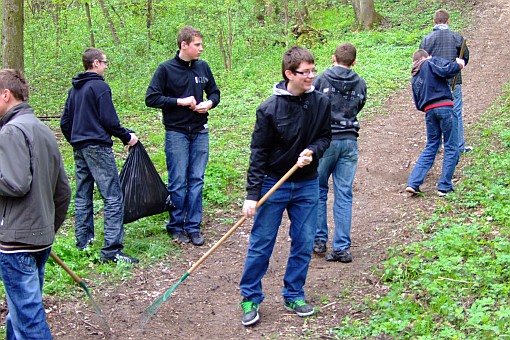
[
  {"x": 293, "y": 125},
  {"x": 88, "y": 122},
  {"x": 348, "y": 93}
]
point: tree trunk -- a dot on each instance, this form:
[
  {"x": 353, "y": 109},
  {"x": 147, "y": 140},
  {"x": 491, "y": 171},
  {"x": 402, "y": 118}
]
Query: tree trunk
[
  {"x": 115, "y": 37},
  {"x": 149, "y": 23},
  {"x": 89, "y": 18},
  {"x": 12, "y": 34},
  {"x": 366, "y": 16}
]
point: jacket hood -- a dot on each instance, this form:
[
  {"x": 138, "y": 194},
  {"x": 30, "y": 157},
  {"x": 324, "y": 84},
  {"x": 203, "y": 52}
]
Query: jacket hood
[
  {"x": 84, "y": 77},
  {"x": 280, "y": 89},
  {"x": 341, "y": 78}
]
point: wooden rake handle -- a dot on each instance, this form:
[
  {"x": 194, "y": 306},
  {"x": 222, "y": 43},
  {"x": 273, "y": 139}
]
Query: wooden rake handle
[
  {"x": 461, "y": 55},
  {"x": 66, "y": 268},
  {"x": 242, "y": 219}
]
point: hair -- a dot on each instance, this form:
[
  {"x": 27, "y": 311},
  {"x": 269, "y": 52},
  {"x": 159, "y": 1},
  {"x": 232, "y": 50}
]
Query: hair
[
  {"x": 90, "y": 55},
  {"x": 345, "y": 54},
  {"x": 187, "y": 34},
  {"x": 418, "y": 54},
  {"x": 13, "y": 81},
  {"x": 441, "y": 16},
  {"x": 293, "y": 57}
]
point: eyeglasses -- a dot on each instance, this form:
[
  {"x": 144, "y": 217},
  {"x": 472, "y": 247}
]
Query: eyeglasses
[
  {"x": 307, "y": 72},
  {"x": 104, "y": 61}
]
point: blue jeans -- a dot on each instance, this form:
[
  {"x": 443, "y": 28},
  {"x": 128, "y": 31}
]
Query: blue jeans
[
  {"x": 23, "y": 278},
  {"x": 300, "y": 199},
  {"x": 457, "y": 110},
  {"x": 440, "y": 121},
  {"x": 96, "y": 163},
  {"x": 339, "y": 160},
  {"x": 186, "y": 158}
]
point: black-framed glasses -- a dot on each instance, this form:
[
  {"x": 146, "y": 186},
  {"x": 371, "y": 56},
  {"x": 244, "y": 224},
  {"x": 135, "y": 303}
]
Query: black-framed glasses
[
  {"x": 307, "y": 72},
  {"x": 104, "y": 61}
]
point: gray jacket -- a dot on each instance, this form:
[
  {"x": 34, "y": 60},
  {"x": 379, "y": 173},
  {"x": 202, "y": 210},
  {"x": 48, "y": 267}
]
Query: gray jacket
[{"x": 34, "y": 189}]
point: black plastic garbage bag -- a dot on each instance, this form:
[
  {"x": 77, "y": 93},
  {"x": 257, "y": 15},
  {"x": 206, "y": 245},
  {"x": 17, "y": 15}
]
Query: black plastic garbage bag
[{"x": 145, "y": 194}]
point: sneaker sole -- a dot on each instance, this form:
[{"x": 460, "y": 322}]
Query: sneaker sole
[
  {"x": 251, "y": 322},
  {"x": 412, "y": 191},
  {"x": 312, "y": 312}
]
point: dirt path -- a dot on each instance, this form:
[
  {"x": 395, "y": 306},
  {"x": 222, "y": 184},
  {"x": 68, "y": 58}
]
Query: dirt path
[{"x": 206, "y": 304}]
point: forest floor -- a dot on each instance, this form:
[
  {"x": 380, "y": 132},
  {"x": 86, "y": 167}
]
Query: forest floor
[{"x": 206, "y": 305}]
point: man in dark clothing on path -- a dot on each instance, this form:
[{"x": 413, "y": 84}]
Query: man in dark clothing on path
[
  {"x": 34, "y": 197},
  {"x": 292, "y": 125},
  {"x": 178, "y": 87},
  {"x": 88, "y": 122},
  {"x": 432, "y": 95},
  {"x": 348, "y": 93},
  {"x": 447, "y": 44}
]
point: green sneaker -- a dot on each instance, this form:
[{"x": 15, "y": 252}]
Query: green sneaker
[
  {"x": 300, "y": 307},
  {"x": 250, "y": 312}
]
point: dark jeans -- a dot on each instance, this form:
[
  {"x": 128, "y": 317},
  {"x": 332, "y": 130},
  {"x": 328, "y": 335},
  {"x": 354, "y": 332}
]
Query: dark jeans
[
  {"x": 97, "y": 164},
  {"x": 441, "y": 122},
  {"x": 300, "y": 199},
  {"x": 186, "y": 159},
  {"x": 23, "y": 278}
]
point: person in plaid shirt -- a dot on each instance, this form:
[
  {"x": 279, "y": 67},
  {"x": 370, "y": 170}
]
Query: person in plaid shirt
[{"x": 444, "y": 43}]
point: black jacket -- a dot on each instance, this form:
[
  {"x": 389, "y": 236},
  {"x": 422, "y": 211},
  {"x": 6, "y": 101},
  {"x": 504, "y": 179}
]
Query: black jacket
[
  {"x": 176, "y": 78},
  {"x": 285, "y": 126},
  {"x": 89, "y": 117},
  {"x": 348, "y": 93}
]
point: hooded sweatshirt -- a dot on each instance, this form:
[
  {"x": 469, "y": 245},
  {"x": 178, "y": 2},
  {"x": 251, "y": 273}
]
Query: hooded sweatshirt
[
  {"x": 430, "y": 87},
  {"x": 347, "y": 93},
  {"x": 286, "y": 125},
  {"x": 89, "y": 117}
]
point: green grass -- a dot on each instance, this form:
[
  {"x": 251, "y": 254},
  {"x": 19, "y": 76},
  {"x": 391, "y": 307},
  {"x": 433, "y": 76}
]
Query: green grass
[
  {"x": 454, "y": 285},
  {"x": 384, "y": 57}
]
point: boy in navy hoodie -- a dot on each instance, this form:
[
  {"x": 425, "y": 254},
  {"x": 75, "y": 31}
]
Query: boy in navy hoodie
[
  {"x": 88, "y": 122},
  {"x": 348, "y": 93},
  {"x": 433, "y": 96}
]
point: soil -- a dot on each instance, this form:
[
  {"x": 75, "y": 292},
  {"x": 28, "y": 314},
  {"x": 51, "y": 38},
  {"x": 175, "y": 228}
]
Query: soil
[{"x": 206, "y": 304}]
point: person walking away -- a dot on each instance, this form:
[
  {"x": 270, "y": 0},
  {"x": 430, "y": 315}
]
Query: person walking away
[
  {"x": 291, "y": 125},
  {"x": 34, "y": 197},
  {"x": 88, "y": 122},
  {"x": 347, "y": 92},
  {"x": 444, "y": 43},
  {"x": 177, "y": 88},
  {"x": 432, "y": 95}
]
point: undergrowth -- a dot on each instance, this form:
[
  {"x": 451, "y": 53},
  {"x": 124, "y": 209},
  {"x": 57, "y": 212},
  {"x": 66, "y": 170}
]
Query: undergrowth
[{"x": 454, "y": 285}]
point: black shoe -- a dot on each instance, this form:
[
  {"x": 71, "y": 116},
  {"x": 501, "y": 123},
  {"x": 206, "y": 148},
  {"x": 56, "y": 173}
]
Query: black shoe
[
  {"x": 196, "y": 238},
  {"x": 88, "y": 243},
  {"x": 413, "y": 191},
  {"x": 121, "y": 257},
  {"x": 250, "y": 312},
  {"x": 319, "y": 247},
  {"x": 300, "y": 307},
  {"x": 343, "y": 256},
  {"x": 179, "y": 236}
]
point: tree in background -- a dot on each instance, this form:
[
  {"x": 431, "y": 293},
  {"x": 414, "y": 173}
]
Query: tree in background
[
  {"x": 366, "y": 16},
  {"x": 12, "y": 34}
]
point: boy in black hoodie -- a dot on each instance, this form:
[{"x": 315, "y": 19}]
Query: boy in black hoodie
[
  {"x": 292, "y": 126},
  {"x": 88, "y": 122},
  {"x": 347, "y": 92}
]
